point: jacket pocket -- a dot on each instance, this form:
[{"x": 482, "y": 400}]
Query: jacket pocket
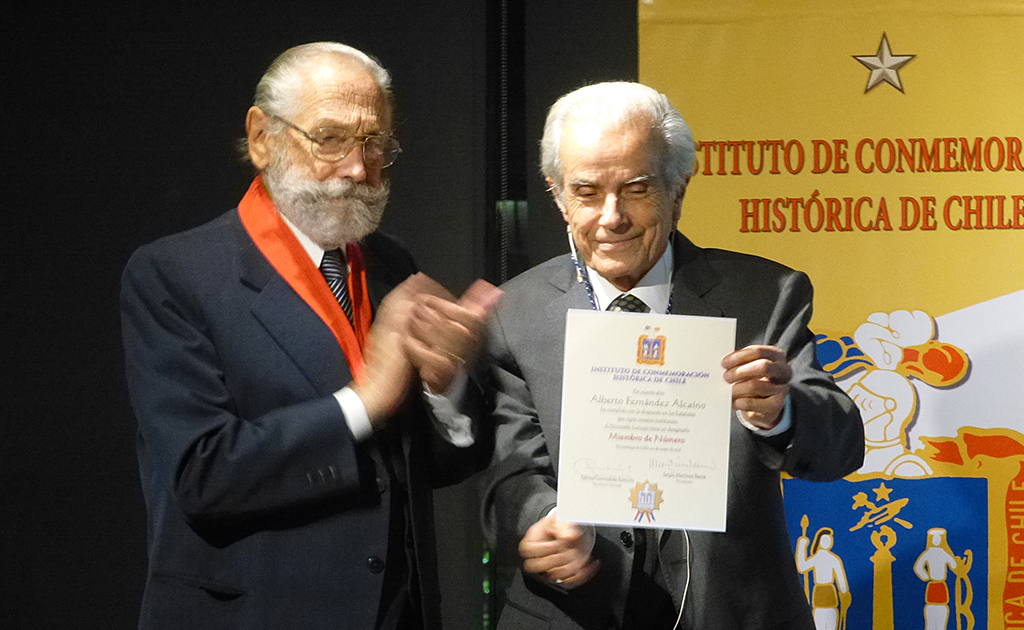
[{"x": 181, "y": 601}]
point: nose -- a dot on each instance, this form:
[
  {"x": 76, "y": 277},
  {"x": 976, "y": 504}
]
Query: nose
[
  {"x": 611, "y": 212},
  {"x": 353, "y": 167}
]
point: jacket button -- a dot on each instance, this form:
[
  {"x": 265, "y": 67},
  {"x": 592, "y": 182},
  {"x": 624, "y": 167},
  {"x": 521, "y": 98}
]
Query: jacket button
[
  {"x": 626, "y": 538},
  {"x": 382, "y": 484},
  {"x": 374, "y": 564}
]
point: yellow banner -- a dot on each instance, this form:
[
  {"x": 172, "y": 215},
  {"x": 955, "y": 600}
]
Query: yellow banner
[
  {"x": 779, "y": 101},
  {"x": 878, "y": 147}
]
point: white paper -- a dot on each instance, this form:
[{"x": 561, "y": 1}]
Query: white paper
[{"x": 645, "y": 420}]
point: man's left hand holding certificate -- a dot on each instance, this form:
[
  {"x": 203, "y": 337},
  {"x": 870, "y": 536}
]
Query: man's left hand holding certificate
[{"x": 645, "y": 420}]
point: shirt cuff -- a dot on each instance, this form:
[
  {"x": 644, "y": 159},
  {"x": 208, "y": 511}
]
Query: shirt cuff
[
  {"x": 781, "y": 427},
  {"x": 354, "y": 410},
  {"x": 454, "y": 426},
  {"x": 455, "y": 390}
]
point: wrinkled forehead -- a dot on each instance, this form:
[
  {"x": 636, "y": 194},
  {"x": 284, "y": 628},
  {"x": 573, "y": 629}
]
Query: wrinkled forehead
[{"x": 341, "y": 92}]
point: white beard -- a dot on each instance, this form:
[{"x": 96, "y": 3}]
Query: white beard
[{"x": 331, "y": 213}]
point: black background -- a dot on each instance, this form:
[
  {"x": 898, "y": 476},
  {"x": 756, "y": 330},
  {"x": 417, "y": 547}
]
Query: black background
[{"x": 120, "y": 126}]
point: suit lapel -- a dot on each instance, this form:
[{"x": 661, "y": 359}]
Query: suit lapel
[
  {"x": 566, "y": 280},
  {"x": 562, "y": 294},
  {"x": 572, "y": 295},
  {"x": 692, "y": 278},
  {"x": 296, "y": 328}
]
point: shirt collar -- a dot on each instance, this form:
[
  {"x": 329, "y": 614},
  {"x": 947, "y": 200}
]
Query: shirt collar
[
  {"x": 315, "y": 252},
  {"x": 655, "y": 288}
]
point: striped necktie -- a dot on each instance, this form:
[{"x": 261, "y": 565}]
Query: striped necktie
[
  {"x": 629, "y": 303},
  {"x": 335, "y": 271}
]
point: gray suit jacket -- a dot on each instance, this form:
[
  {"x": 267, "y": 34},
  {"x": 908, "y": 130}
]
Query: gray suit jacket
[{"x": 743, "y": 578}]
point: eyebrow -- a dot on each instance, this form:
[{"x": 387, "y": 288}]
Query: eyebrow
[
  {"x": 331, "y": 123},
  {"x": 642, "y": 179},
  {"x": 639, "y": 179}
]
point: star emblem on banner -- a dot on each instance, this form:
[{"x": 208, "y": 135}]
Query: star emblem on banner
[{"x": 884, "y": 66}]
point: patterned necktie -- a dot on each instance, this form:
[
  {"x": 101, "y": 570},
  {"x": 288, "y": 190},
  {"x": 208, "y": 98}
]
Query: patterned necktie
[
  {"x": 334, "y": 269},
  {"x": 629, "y": 303}
]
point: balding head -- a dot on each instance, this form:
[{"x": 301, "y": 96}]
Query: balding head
[{"x": 279, "y": 90}]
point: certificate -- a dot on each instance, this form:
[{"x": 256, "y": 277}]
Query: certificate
[{"x": 645, "y": 420}]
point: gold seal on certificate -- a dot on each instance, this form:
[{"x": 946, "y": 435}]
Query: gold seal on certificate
[
  {"x": 646, "y": 498},
  {"x": 645, "y": 420}
]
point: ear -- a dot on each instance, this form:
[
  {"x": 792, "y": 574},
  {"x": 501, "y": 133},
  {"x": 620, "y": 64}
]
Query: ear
[
  {"x": 558, "y": 198},
  {"x": 258, "y": 137},
  {"x": 677, "y": 204}
]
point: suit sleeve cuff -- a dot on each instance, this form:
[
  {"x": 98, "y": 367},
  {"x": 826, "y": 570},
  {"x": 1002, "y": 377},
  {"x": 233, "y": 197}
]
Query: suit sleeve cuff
[
  {"x": 355, "y": 414},
  {"x": 784, "y": 424}
]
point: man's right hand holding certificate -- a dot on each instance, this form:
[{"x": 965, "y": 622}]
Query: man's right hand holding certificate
[{"x": 760, "y": 377}]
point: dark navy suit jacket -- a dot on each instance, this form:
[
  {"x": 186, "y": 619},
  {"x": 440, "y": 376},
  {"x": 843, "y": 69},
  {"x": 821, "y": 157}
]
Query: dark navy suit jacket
[{"x": 262, "y": 510}]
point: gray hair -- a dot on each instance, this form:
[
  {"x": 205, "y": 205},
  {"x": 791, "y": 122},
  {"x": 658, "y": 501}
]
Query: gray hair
[
  {"x": 278, "y": 89},
  {"x": 615, "y": 103}
]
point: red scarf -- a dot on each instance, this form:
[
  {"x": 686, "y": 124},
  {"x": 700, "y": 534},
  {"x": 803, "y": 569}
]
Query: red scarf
[{"x": 285, "y": 254}]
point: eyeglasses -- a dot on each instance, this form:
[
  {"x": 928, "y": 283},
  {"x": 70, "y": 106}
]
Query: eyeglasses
[{"x": 332, "y": 144}]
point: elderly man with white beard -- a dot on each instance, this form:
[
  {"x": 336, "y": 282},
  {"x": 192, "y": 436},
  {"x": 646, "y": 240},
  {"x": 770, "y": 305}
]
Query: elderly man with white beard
[{"x": 277, "y": 359}]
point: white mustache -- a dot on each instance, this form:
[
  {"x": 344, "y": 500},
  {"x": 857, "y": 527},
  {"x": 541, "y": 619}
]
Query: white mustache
[{"x": 334, "y": 189}]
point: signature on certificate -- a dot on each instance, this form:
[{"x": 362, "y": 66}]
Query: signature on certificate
[
  {"x": 589, "y": 466},
  {"x": 681, "y": 463}
]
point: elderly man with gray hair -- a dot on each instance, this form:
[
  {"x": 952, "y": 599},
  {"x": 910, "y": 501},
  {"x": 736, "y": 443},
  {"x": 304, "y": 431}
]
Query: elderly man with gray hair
[
  {"x": 277, "y": 359},
  {"x": 618, "y": 159}
]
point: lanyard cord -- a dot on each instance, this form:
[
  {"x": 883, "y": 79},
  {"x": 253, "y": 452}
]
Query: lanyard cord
[
  {"x": 584, "y": 277},
  {"x": 581, "y": 274}
]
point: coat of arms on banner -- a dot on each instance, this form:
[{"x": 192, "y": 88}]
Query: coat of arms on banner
[{"x": 910, "y": 533}]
